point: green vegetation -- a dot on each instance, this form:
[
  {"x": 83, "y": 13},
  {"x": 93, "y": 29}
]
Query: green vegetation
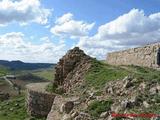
[
  {"x": 29, "y": 77},
  {"x": 145, "y": 73},
  {"x": 47, "y": 74},
  {"x": 100, "y": 73},
  {"x": 14, "y": 109},
  {"x": 3, "y": 70},
  {"x": 55, "y": 89},
  {"x": 2, "y": 82},
  {"x": 51, "y": 88},
  {"x": 97, "y": 107}
]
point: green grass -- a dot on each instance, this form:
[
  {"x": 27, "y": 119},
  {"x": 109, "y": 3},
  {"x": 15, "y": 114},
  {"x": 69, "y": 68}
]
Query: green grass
[
  {"x": 47, "y": 74},
  {"x": 97, "y": 107},
  {"x": 100, "y": 73},
  {"x": 29, "y": 77},
  {"x": 14, "y": 109},
  {"x": 145, "y": 73},
  {"x": 3, "y": 70},
  {"x": 51, "y": 88},
  {"x": 154, "y": 109}
]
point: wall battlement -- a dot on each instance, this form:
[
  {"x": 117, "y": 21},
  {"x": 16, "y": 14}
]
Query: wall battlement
[{"x": 141, "y": 56}]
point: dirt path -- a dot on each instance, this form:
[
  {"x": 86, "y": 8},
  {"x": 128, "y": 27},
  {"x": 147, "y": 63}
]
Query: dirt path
[{"x": 7, "y": 80}]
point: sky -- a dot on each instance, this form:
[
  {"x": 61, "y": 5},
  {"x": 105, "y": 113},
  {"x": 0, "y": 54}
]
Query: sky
[{"x": 43, "y": 30}]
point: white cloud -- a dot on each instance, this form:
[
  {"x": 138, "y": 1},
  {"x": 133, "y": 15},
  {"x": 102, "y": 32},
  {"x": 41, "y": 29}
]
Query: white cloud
[
  {"x": 65, "y": 18},
  {"x": 23, "y": 12},
  {"x": 14, "y": 46},
  {"x": 67, "y": 26},
  {"x": 130, "y": 25},
  {"x": 45, "y": 39},
  {"x": 129, "y": 30}
]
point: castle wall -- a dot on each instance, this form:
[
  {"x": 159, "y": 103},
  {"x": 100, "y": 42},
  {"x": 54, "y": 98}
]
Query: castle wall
[
  {"x": 141, "y": 56},
  {"x": 39, "y": 102}
]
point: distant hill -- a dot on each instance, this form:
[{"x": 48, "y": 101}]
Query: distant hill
[{"x": 19, "y": 65}]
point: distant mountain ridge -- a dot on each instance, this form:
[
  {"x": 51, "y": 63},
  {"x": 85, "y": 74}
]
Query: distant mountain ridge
[{"x": 19, "y": 65}]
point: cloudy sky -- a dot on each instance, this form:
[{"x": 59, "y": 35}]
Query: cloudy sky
[{"x": 43, "y": 30}]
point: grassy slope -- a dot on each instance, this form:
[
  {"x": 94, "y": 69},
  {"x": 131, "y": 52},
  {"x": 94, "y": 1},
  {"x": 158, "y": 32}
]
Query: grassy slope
[
  {"x": 145, "y": 73},
  {"x": 98, "y": 75},
  {"x": 3, "y": 70},
  {"x": 47, "y": 74},
  {"x": 14, "y": 109},
  {"x": 101, "y": 73},
  {"x": 97, "y": 107}
]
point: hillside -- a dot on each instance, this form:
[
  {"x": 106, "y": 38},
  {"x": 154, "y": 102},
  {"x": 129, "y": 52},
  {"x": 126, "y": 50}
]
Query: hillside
[
  {"x": 19, "y": 65},
  {"x": 95, "y": 89},
  {"x": 15, "y": 109},
  {"x": 88, "y": 89},
  {"x": 25, "y": 73},
  {"x": 104, "y": 88},
  {"x": 122, "y": 89},
  {"x": 3, "y": 70},
  {"x": 47, "y": 74}
]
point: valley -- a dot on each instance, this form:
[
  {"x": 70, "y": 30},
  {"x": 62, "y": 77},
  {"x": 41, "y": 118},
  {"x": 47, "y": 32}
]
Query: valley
[{"x": 14, "y": 106}]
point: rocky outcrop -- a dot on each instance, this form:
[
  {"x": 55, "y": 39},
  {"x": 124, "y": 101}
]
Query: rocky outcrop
[
  {"x": 71, "y": 68},
  {"x": 39, "y": 102}
]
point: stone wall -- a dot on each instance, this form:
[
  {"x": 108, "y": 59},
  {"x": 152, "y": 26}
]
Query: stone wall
[
  {"x": 39, "y": 102},
  {"x": 71, "y": 68},
  {"x": 141, "y": 56}
]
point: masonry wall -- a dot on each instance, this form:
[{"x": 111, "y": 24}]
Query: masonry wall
[
  {"x": 39, "y": 103},
  {"x": 141, "y": 56}
]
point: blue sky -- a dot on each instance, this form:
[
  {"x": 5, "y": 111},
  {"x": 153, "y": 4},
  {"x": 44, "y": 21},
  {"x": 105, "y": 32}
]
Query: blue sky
[{"x": 43, "y": 30}]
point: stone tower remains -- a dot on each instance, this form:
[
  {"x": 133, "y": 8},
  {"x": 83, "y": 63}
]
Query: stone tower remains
[{"x": 71, "y": 68}]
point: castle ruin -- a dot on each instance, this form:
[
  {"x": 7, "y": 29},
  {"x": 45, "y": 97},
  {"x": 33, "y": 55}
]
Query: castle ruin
[{"x": 147, "y": 56}]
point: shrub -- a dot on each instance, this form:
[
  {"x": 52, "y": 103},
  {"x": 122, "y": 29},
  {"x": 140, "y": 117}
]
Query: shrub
[{"x": 97, "y": 107}]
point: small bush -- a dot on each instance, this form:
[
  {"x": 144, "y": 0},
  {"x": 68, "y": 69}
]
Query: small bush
[
  {"x": 51, "y": 88},
  {"x": 97, "y": 107}
]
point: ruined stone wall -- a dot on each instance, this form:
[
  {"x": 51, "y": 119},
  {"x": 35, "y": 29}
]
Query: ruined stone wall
[
  {"x": 71, "y": 69},
  {"x": 141, "y": 56},
  {"x": 38, "y": 102}
]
